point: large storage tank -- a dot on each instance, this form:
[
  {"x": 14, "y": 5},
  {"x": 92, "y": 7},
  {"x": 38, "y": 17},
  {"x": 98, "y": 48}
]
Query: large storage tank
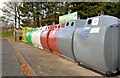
[
  {"x": 36, "y": 37},
  {"x": 96, "y": 44},
  {"x": 44, "y": 37},
  {"x": 52, "y": 39},
  {"x": 24, "y": 31},
  {"x": 65, "y": 38},
  {"x": 28, "y": 36}
]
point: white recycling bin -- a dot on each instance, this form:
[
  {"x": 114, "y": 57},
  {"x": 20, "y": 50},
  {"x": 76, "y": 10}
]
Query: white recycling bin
[{"x": 36, "y": 37}]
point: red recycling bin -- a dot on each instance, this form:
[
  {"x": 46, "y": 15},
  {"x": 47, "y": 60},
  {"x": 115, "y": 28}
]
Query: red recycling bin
[
  {"x": 52, "y": 39},
  {"x": 44, "y": 37}
]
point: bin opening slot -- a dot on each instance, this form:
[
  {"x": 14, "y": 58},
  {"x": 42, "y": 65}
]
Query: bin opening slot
[
  {"x": 67, "y": 24},
  {"x": 72, "y": 24}
]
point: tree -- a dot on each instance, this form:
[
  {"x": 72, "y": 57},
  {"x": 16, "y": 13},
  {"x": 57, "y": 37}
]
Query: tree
[
  {"x": 36, "y": 14},
  {"x": 11, "y": 12}
]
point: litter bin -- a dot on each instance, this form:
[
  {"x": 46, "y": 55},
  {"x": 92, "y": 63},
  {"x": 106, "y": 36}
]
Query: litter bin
[
  {"x": 65, "y": 38},
  {"x": 28, "y": 36},
  {"x": 52, "y": 38},
  {"x": 44, "y": 37},
  {"x": 24, "y": 31},
  {"x": 36, "y": 37},
  {"x": 96, "y": 44}
]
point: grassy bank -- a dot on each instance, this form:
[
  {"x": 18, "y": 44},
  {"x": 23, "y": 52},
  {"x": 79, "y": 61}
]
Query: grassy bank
[{"x": 8, "y": 35}]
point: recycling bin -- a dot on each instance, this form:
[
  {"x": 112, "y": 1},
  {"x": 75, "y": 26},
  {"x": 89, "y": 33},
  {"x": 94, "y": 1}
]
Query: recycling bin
[
  {"x": 24, "y": 31},
  {"x": 28, "y": 36},
  {"x": 65, "y": 38},
  {"x": 36, "y": 37},
  {"x": 44, "y": 37},
  {"x": 96, "y": 44},
  {"x": 52, "y": 38}
]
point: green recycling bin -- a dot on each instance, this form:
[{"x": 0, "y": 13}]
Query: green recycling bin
[{"x": 28, "y": 36}]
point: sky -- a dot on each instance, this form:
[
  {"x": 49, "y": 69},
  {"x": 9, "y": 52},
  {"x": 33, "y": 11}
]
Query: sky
[{"x": 1, "y": 6}]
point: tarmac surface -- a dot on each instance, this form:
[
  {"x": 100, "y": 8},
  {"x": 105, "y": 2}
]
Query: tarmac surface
[
  {"x": 44, "y": 63},
  {"x": 10, "y": 62}
]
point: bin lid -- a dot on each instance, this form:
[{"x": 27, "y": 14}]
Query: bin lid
[{"x": 101, "y": 20}]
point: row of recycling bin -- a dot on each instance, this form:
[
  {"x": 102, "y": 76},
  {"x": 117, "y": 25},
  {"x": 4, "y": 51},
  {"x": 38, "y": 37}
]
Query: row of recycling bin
[{"x": 93, "y": 42}]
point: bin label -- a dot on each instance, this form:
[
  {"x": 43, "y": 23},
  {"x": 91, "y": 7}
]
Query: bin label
[
  {"x": 85, "y": 33},
  {"x": 85, "y": 28},
  {"x": 95, "y": 21},
  {"x": 65, "y": 18},
  {"x": 95, "y": 30}
]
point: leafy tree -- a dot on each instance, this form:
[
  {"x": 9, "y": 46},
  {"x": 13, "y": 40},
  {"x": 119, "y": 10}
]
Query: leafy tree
[
  {"x": 36, "y": 14},
  {"x": 11, "y": 12}
]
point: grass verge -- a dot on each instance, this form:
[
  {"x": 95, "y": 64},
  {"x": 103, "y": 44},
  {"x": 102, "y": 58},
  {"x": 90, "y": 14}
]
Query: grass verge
[{"x": 8, "y": 34}]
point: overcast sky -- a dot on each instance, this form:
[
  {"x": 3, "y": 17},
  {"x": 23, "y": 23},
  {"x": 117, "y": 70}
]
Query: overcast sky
[{"x": 1, "y": 5}]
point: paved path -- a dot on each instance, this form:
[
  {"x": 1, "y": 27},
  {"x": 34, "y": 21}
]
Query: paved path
[
  {"x": 0, "y": 58},
  {"x": 10, "y": 62},
  {"x": 44, "y": 63}
]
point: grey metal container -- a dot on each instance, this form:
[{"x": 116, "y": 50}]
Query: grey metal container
[
  {"x": 96, "y": 44},
  {"x": 65, "y": 38}
]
